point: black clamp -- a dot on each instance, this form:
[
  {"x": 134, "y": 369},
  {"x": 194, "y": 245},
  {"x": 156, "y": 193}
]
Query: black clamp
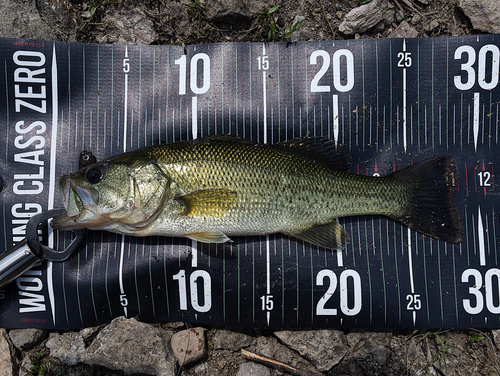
[{"x": 27, "y": 253}]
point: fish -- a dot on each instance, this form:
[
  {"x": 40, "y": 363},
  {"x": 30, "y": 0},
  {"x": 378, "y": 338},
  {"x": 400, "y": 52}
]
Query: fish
[{"x": 217, "y": 187}]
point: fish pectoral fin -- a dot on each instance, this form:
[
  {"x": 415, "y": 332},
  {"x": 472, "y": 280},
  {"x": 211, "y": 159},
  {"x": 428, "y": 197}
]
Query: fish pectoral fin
[
  {"x": 212, "y": 203},
  {"x": 208, "y": 237},
  {"x": 330, "y": 235}
]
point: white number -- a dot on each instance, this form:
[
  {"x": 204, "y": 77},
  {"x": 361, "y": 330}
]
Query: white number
[
  {"x": 414, "y": 302},
  {"x": 484, "y": 178},
  {"x": 356, "y": 279},
  {"x": 481, "y": 75},
  {"x": 267, "y": 302},
  {"x": 320, "y": 308},
  {"x": 194, "y": 73},
  {"x": 488, "y": 288},
  {"x": 467, "y": 67},
  {"x": 123, "y": 300},
  {"x": 350, "y": 70},
  {"x": 482, "y": 63},
  {"x": 182, "y": 74},
  {"x": 181, "y": 277},
  {"x": 126, "y": 65},
  {"x": 337, "y": 83},
  {"x": 313, "y": 60},
  {"x": 473, "y": 290},
  {"x": 344, "y": 299},
  {"x": 207, "y": 290},
  {"x": 207, "y": 296},
  {"x": 404, "y": 59},
  {"x": 263, "y": 62}
]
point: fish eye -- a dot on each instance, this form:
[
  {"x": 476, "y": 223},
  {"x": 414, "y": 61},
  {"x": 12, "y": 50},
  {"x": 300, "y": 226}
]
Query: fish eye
[{"x": 93, "y": 176}]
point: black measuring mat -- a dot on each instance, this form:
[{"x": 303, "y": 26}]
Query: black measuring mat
[{"x": 387, "y": 104}]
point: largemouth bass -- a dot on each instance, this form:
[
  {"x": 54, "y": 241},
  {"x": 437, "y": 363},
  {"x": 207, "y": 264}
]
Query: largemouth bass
[{"x": 212, "y": 188}]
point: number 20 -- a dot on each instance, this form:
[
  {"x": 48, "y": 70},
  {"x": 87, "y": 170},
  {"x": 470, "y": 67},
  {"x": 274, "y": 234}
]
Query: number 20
[{"x": 339, "y": 86}]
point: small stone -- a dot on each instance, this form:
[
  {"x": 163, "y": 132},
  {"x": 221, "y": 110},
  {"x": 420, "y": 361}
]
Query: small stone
[
  {"x": 132, "y": 347},
  {"x": 189, "y": 345},
  {"x": 483, "y": 15},
  {"x": 87, "y": 333},
  {"x": 127, "y": 26},
  {"x": 369, "y": 346},
  {"x": 431, "y": 26},
  {"x": 339, "y": 14},
  {"x": 26, "y": 365},
  {"x": 8, "y": 363},
  {"x": 225, "y": 339},
  {"x": 24, "y": 338},
  {"x": 496, "y": 337},
  {"x": 69, "y": 348},
  {"x": 324, "y": 348},
  {"x": 377, "y": 13},
  {"x": 416, "y": 19},
  {"x": 404, "y": 30},
  {"x": 253, "y": 369}
]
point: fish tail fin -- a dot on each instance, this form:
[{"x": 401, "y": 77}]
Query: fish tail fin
[{"x": 432, "y": 210}]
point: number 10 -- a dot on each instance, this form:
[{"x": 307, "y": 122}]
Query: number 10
[{"x": 182, "y": 62}]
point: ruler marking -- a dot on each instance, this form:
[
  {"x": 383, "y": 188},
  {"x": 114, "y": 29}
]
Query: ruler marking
[
  {"x": 476, "y": 119},
  {"x": 404, "y": 99},
  {"x": 53, "y": 150},
  {"x": 480, "y": 237},
  {"x": 122, "y": 248}
]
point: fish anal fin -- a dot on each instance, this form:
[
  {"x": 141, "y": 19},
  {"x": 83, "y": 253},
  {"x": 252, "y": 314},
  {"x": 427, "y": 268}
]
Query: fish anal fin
[
  {"x": 209, "y": 203},
  {"x": 330, "y": 235},
  {"x": 208, "y": 237}
]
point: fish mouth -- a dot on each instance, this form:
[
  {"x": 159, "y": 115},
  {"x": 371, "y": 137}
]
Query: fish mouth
[{"x": 78, "y": 202}]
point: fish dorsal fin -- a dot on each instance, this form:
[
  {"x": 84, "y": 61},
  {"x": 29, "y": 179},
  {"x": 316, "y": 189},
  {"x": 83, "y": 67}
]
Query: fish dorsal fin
[
  {"x": 322, "y": 148},
  {"x": 209, "y": 202},
  {"x": 223, "y": 138},
  {"x": 330, "y": 235}
]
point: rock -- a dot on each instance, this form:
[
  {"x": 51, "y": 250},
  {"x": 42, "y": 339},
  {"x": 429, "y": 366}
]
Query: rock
[
  {"x": 496, "y": 337},
  {"x": 234, "y": 14},
  {"x": 127, "y": 26},
  {"x": 26, "y": 364},
  {"x": 54, "y": 12},
  {"x": 189, "y": 345},
  {"x": 69, "y": 348},
  {"x": 87, "y": 333},
  {"x": 375, "y": 13},
  {"x": 225, "y": 339},
  {"x": 253, "y": 369},
  {"x": 23, "y": 338},
  {"x": 8, "y": 362},
  {"x": 270, "y": 347},
  {"x": 132, "y": 347},
  {"x": 324, "y": 348},
  {"x": 296, "y": 35},
  {"x": 484, "y": 14},
  {"x": 431, "y": 26},
  {"x": 20, "y": 19},
  {"x": 369, "y": 350},
  {"x": 404, "y": 30}
]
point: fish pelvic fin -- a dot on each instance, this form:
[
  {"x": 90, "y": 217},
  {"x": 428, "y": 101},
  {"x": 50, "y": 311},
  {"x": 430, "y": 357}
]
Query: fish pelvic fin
[
  {"x": 432, "y": 210},
  {"x": 208, "y": 237},
  {"x": 330, "y": 235}
]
